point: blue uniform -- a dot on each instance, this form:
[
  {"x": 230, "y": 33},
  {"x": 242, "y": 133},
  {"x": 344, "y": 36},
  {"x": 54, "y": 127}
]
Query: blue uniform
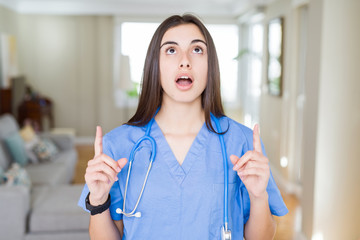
[{"x": 182, "y": 201}]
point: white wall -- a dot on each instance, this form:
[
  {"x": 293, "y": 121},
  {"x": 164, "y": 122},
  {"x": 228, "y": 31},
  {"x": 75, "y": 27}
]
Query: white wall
[
  {"x": 8, "y": 26},
  {"x": 275, "y": 111},
  {"x": 331, "y": 193},
  {"x": 8, "y": 21},
  {"x": 331, "y": 116},
  {"x": 337, "y": 191},
  {"x": 69, "y": 59}
]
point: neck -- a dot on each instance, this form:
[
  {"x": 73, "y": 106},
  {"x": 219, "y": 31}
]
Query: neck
[{"x": 180, "y": 118}]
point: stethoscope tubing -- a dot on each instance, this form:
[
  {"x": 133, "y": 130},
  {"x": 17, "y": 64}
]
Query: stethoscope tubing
[
  {"x": 131, "y": 159},
  {"x": 225, "y": 162},
  {"x": 152, "y": 158}
]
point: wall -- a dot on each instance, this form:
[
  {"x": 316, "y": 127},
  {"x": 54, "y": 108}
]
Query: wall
[
  {"x": 312, "y": 77},
  {"x": 331, "y": 131},
  {"x": 337, "y": 194},
  {"x": 8, "y": 21},
  {"x": 8, "y": 26},
  {"x": 331, "y": 194},
  {"x": 274, "y": 112},
  {"x": 69, "y": 59}
]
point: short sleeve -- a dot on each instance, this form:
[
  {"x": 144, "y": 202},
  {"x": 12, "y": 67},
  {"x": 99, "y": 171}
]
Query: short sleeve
[
  {"x": 116, "y": 201},
  {"x": 83, "y": 195}
]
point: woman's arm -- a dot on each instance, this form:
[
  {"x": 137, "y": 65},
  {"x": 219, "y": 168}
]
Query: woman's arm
[
  {"x": 261, "y": 224},
  {"x": 103, "y": 227},
  {"x": 101, "y": 173},
  {"x": 120, "y": 225},
  {"x": 254, "y": 171}
]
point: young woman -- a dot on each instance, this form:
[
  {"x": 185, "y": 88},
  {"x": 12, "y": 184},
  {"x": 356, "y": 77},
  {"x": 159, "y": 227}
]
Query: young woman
[{"x": 180, "y": 195}]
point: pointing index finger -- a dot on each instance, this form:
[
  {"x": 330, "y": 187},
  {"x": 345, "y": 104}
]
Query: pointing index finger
[
  {"x": 98, "y": 141},
  {"x": 256, "y": 139}
]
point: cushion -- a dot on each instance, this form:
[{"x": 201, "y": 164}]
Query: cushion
[
  {"x": 16, "y": 147},
  {"x": 29, "y": 145},
  {"x": 27, "y": 133},
  {"x": 30, "y": 138},
  {"x": 16, "y": 175},
  {"x": 45, "y": 150},
  {"x": 55, "y": 210}
]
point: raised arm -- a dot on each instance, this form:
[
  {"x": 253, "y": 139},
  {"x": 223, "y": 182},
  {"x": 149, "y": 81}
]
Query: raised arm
[
  {"x": 254, "y": 171},
  {"x": 101, "y": 173}
]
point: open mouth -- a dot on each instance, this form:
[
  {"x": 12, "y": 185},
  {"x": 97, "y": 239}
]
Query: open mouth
[{"x": 184, "y": 81}]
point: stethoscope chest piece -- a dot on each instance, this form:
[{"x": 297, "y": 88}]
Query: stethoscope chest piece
[{"x": 225, "y": 234}]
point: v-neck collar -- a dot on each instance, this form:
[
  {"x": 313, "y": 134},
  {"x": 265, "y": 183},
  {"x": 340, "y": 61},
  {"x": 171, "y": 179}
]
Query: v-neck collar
[{"x": 179, "y": 172}]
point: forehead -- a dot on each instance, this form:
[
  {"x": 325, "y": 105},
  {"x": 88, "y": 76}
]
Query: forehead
[{"x": 183, "y": 32}]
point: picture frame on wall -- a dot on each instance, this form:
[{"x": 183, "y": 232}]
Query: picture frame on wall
[{"x": 275, "y": 45}]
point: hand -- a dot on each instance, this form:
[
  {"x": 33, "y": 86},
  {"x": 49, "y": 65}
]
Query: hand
[
  {"x": 253, "y": 168},
  {"x": 101, "y": 172}
]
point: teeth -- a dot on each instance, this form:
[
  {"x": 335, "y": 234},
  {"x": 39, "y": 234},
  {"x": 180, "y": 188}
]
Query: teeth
[{"x": 184, "y": 77}]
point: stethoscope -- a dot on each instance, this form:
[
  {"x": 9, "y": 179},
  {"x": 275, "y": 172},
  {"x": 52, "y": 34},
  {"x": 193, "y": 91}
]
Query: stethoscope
[{"x": 225, "y": 231}]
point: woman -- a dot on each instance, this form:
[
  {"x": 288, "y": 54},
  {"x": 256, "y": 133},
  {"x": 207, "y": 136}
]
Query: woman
[{"x": 183, "y": 196}]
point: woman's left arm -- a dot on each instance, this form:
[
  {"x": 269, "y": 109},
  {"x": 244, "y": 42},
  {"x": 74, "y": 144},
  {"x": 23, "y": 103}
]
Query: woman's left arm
[
  {"x": 254, "y": 171},
  {"x": 261, "y": 224}
]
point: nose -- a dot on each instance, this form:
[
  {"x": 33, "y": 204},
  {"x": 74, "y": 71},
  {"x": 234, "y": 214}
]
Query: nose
[{"x": 185, "y": 62}]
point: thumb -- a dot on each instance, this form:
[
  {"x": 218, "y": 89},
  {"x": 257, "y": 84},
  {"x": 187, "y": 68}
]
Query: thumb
[
  {"x": 122, "y": 162},
  {"x": 234, "y": 159}
]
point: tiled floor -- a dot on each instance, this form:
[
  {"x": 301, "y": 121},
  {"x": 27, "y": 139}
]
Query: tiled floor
[{"x": 285, "y": 224}]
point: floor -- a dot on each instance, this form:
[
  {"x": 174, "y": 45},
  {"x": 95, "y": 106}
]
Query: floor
[{"x": 285, "y": 225}]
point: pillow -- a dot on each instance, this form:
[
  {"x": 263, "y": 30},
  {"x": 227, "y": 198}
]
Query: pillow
[
  {"x": 16, "y": 147},
  {"x": 17, "y": 175},
  {"x": 27, "y": 133},
  {"x": 29, "y": 149},
  {"x": 45, "y": 150}
]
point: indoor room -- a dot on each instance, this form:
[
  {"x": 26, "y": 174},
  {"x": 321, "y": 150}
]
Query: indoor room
[{"x": 290, "y": 66}]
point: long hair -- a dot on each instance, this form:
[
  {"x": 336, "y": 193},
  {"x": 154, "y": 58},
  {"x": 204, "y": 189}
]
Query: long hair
[{"x": 151, "y": 90}]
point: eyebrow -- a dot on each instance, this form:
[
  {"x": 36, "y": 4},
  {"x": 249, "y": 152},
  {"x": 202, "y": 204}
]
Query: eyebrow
[{"x": 175, "y": 43}]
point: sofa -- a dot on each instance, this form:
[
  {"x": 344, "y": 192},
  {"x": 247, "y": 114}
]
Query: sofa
[{"x": 45, "y": 205}]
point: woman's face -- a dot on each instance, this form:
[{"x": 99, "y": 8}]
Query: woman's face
[{"x": 183, "y": 64}]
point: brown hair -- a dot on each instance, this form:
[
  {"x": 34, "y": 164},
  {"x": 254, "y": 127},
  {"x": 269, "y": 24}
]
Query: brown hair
[{"x": 151, "y": 90}]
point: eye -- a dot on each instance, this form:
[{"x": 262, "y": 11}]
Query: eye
[
  {"x": 170, "y": 51},
  {"x": 197, "y": 50}
]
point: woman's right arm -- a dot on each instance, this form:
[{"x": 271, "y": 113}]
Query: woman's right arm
[
  {"x": 101, "y": 173},
  {"x": 103, "y": 227}
]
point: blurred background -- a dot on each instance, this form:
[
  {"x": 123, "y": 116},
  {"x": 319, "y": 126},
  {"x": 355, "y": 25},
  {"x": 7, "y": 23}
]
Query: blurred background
[{"x": 291, "y": 65}]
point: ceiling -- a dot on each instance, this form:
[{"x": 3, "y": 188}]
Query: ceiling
[{"x": 146, "y": 8}]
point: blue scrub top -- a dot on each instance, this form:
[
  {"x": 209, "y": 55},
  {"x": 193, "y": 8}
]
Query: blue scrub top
[{"x": 182, "y": 201}]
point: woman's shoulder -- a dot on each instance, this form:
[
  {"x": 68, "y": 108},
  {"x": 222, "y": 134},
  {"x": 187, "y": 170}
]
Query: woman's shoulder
[
  {"x": 234, "y": 127},
  {"x": 119, "y": 140},
  {"x": 123, "y": 132}
]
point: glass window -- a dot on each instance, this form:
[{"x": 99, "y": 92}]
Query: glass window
[
  {"x": 226, "y": 39},
  {"x": 135, "y": 39}
]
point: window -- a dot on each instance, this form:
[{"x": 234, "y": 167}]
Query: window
[
  {"x": 226, "y": 39},
  {"x": 252, "y": 72},
  {"x": 131, "y": 40},
  {"x": 135, "y": 39}
]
